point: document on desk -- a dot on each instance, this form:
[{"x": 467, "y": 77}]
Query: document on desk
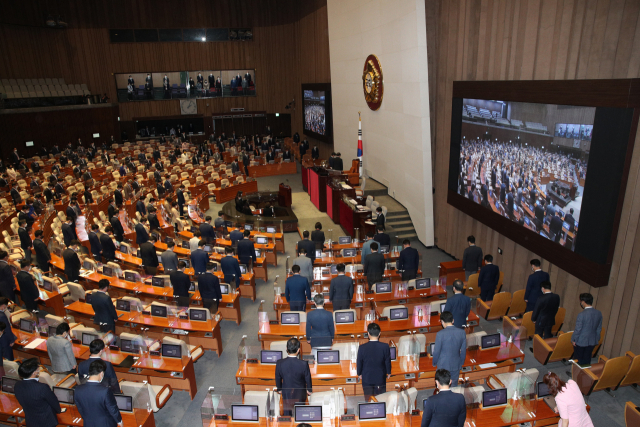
[
  {"x": 33, "y": 344},
  {"x": 487, "y": 365}
]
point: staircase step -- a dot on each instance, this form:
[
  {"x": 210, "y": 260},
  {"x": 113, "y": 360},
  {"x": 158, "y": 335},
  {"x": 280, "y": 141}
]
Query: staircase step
[
  {"x": 402, "y": 223},
  {"x": 407, "y": 235},
  {"x": 404, "y": 229},
  {"x": 397, "y": 214}
]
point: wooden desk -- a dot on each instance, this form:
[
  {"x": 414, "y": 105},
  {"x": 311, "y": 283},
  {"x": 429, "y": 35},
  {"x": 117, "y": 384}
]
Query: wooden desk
[
  {"x": 319, "y": 277},
  {"x": 223, "y": 195},
  {"x": 328, "y": 260},
  {"x": 157, "y": 370},
  {"x": 207, "y": 333},
  {"x": 53, "y": 303},
  {"x": 450, "y": 271},
  {"x": 24, "y": 338},
  {"x": 283, "y": 168}
]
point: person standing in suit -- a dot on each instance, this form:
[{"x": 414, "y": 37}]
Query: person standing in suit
[
  {"x": 149, "y": 256},
  {"x": 569, "y": 219},
  {"x": 142, "y": 235},
  {"x": 488, "y": 279},
  {"x": 471, "y": 258},
  {"x": 317, "y": 236},
  {"x": 544, "y": 313},
  {"x": 555, "y": 227},
  {"x": 458, "y": 305},
  {"x": 246, "y": 249},
  {"x": 38, "y": 401},
  {"x": 25, "y": 240},
  {"x": 409, "y": 261},
  {"x": 586, "y": 334},
  {"x": 235, "y": 236},
  {"x": 199, "y": 258},
  {"x": 320, "y": 328},
  {"x": 450, "y": 350},
  {"x": 380, "y": 218},
  {"x": 96, "y": 349},
  {"x": 169, "y": 258},
  {"x": 209, "y": 287},
  {"x": 118, "y": 230},
  {"x": 96, "y": 403},
  {"x": 207, "y": 232},
  {"x": 341, "y": 290},
  {"x": 293, "y": 377},
  {"x": 366, "y": 246},
  {"x": 305, "y": 264},
  {"x": 533, "y": 290},
  {"x": 7, "y": 338},
  {"x": 374, "y": 266},
  {"x": 445, "y": 409},
  {"x": 140, "y": 206},
  {"x": 381, "y": 237},
  {"x": 69, "y": 231},
  {"x": 297, "y": 290},
  {"x": 230, "y": 268},
  {"x": 108, "y": 247},
  {"x": 308, "y": 246},
  {"x": 373, "y": 363},
  {"x": 43, "y": 256},
  {"x": 94, "y": 241},
  {"x": 72, "y": 261},
  {"x": 105, "y": 312},
  {"x": 7, "y": 281},
  {"x": 28, "y": 290},
  {"x": 60, "y": 351},
  {"x": 180, "y": 199},
  {"x": 180, "y": 282}
]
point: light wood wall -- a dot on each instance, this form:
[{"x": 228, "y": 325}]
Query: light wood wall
[{"x": 538, "y": 40}]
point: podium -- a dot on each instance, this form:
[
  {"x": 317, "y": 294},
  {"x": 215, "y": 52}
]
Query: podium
[{"x": 284, "y": 195}]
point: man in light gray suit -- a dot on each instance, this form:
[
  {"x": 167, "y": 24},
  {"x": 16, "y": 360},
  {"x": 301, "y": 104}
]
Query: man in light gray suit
[
  {"x": 451, "y": 347},
  {"x": 169, "y": 258},
  {"x": 306, "y": 265},
  {"x": 587, "y": 331}
]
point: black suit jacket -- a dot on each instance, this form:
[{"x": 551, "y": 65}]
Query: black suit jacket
[
  {"x": 141, "y": 234},
  {"x": 409, "y": 259},
  {"x": 383, "y": 239},
  {"x": 111, "y": 210},
  {"x": 374, "y": 266},
  {"x": 39, "y": 403},
  {"x": 148, "y": 254},
  {"x": 68, "y": 233},
  {"x": 374, "y": 362},
  {"x": 42, "y": 252},
  {"x": 317, "y": 237},
  {"x": 7, "y": 282},
  {"x": 445, "y": 409},
  {"x": 117, "y": 195},
  {"x": 94, "y": 240},
  {"x": 141, "y": 208},
  {"x": 293, "y": 377},
  {"x": 118, "y": 230},
  {"x": 341, "y": 289},
  {"x": 180, "y": 282},
  {"x": 108, "y": 247},
  {"x": 209, "y": 286},
  {"x": 246, "y": 251},
  {"x": 207, "y": 232},
  {"x": 71, "y": 262},
  {"x": 110, "y": 377},
  {"x": 28, "y": 290},
  {"x": 308, "y": 246},
  {"x": 199, "y": 260},
  {"x": 25, "y": 239},
  {"x": 97, "y": 405},
  {"x": 489, "y": 276},
  {"x": 546, "y": 309},
  {"x": 104, "y": 308}
]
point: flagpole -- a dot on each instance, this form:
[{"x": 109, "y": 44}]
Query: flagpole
[{"x": 360, "y": 143}]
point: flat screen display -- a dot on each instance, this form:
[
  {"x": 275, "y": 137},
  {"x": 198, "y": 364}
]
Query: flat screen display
[
  {"x": 87, "y": 265},
  {"x": 197, "y": 314},
  {"x": 393, "y": 351},
  {"x": 490, "y": 341},
  {"x": 308, "y": 414},
  {"x": 328, "y": 357},
  {"x": 349, "y": 252},
  {"x": 158, "y": 310},
  {"x": 318, "y": 253},
  {"x": 384, "y": 249},
  {"x": 107, "y": 271},
  {"x": 494, "y": 397},
  {"x": 383, "y": 287},
  {"x": 423, "y": 283},
  {"x": 87, "y": 297},
  {"x": 372, "y": 411},
  {"x": 271, "y": 229},
  {"x": 171, "y": 350},
  {"x": 123, "y": 305},
  {"x": 314, "y": 104},
  {"x": 224, "y": 289},
  {"x": 574, "y": 131},
  {"x": 430, "y": 348},
  {"x": 124, "y": 249},
  {"x": 345, "y": 317},
  {"x": 248, "y": 227},
  {"x": 262, "y": 240},
  {"x": 399, "y": 313},
  {"x": 270, "y": 356},
  {"x": 125, "y": 403},
  {"x": 8, "y": 384},
  {"x": 243, "y": 269},
  {"x": 442, "y": 306},
  {"x": 27, "y": 325},
  {"x": 344, "y": 240},
  {"x": 157, "y": 281},
  {"x": 88, "y": 338},
  {"x": 290, "y": 318},
  {"x": 334, "y": 269},
  {"x": 64, "y": 395},
  {"x": 47, "y": 285},
  {"x": 258, "y": 253},
  {"x": 29, "y": 143},
  {"x": 130, "y": 276},
  {"x": 129, "y": 346},
  {"x": 244, "y": 413},
  {"x": 542, "y": 390}
]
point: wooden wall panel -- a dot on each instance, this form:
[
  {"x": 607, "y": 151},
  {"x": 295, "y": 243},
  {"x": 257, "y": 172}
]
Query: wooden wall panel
[{"x": 538, "y": 39}]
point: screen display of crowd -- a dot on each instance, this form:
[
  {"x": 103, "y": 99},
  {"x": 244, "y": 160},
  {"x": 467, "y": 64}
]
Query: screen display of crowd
[
  {"x": 314, "y": 111},
  {"x": 511, "y": 164}
]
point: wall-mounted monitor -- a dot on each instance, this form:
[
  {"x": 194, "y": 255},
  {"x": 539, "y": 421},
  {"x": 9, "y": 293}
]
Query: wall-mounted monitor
[{"x": 316, "y": 111}]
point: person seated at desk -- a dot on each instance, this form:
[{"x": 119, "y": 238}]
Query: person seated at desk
[
  {"x": 105, "y": 313},
  {"x": 341, "y": 290},
  {"x": 60, "y": 351},
  {"x": 96, "y": 403},
  {"x": 246, "y": 249},
  {"x": 488, "y": 279},
  {"x": 373, "y": 266},
  {"x": 28, "y": 290},
  {"x": 231, "y": 268},
  {"x": 199, "y": 258},
  {"x": 381, "y": 237},
  {"x": 209, "y": 287},
  {"x": 72, "y": 261},
  {"x": 38, "y": 401},
  {"x": 180, "y": 282},
  {"x": 297, "y": 290},
  {"x": 142, "y": 235},
  {"x": 293, "y": 377},
  {"x": 169, "y": 258},
  {"x": 108, "y": 247},
  {"x": 110, "y": 379},
  {"x": 308, "y": 246},
  {"x": 409, "y": 261},
  {"x": 306, "y": 267},
  {"x": 459, "y": 305},
  {"x": 445, "y": 408},
  {"x": 320, "y": 328}
]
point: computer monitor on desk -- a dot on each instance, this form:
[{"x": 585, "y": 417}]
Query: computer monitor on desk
[
  {"x": 344, "y": 240},
  {"x": 490, "y": 341},
  {"x": 124, "y": 249},
  {"x": 158, "y": 310},
  {"x": 423, "y": 283},
  {"x": 64, "y": 395},
  {"x": 198, "y": 315},
  {"x": 328, "y": 357},
  {"x": 107, "y": 271},
  {"x": 271, "y": 229},
  {"x": 8, "y": 384},
  {"x": 244, "y": 413},
  {"x": 248, "y": 227},
  {"x": 383, "y": 287},
  {"x": 262, "y": 240},
  {"x": 345, "y": 317},
  {"x": 393, "y": 351},
  {"x": 270, "y": 357},
  {"x": 307, "y": 414},
  {"x": 399, "y": 313},
  {"x": 494, "y": 398},
  {"x": 372, "y": 411},
  {"x": 290, "y": 318},
  {"x": 352, "y": 252},
  {"x": 243, "y": 269},
  {"x": 88, "y": 338},
  {"x": 27, "y": 325},
  {"x": 384, "y": 249},
  {"x": 157, "y": 281},
  {"x": 172, "y": 350},
  {"x": 318, "y": 253},
  {"x": 130, "y": 276},
  {"x": 129, "y": 346},
  {"x": 125, "y": 403},
  {"x": 224, "y": 289},
  {"x": 123, "y": 305}
]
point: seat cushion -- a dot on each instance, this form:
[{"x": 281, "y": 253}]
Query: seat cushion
[{"x": 552, "y": 341}]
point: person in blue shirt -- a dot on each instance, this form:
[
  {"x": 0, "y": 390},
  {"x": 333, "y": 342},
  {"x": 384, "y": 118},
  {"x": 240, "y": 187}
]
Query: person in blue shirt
[{"x": 297, "y": 290}]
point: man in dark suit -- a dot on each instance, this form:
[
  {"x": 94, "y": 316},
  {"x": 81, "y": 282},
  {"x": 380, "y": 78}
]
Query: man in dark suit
[
  {"x": 108, "y": 247},
  {"x": 8, "y": 337},
  {"x": 209, "y": 287},
  {"x": 167, "y": 184},
  {"x": 320, "y": 328},
  {"x": 15, "y": 194},
  {"x": 28, "y": 289},
  {"x": 25, "y": 239},
  {"x": 317, "y": 236},
  {"x": 569, "y": 219},
  {"x": 451, "y": 347},
  {"x": 374, "y": 266},
  {"x": 379, "y": 218},
  {"x": 180, "y": 283},
  {"x": 445, "y": 409},
  {"x": 43, "y": 257},
  {"x": 374, "y": 363},
  {"x": 586, "y": 334},
  {"x": 246, "y": 249},
  {"x": 7, "y": 281},
  {"x": 105, "y": 312},
  {"x": 341, "y": 290},
  {"x": 381, "y": 237},
  {"x": 140, "y": 206},
  {"x": 71, "y": 213},
  {"x": 315, "y": 152},
  {"x": 544, "y": 313},
  {"x": 38, "y": 401},
  {"x": 297, "y": 290},
  {"x": 96, "y": 348},
  {"x": 118, "y": 195},
  {"x": 458, "y": 305},
  {"x": 235, "y": 236},
  {"x": 69, "y": 231},
  {"x": 293, "y": 377},
  {"x": 533, "y": 290},
  {"x": 118, "y": 230},
  {"x": 471, "y": 258},
  {"x": 207, "y": 231},
  {"x": 409, "y": 261},
  {"x": 488, "y": 279},
  {"x": 94, "y": 241},
  {"x": 149, "y": 256},
  {"x": 199, "y": 258},
  {"x": 555, "y": 227},
  {"x": 539, "y": 213},
  {"x": 180, "y": 199},
  {"x": 230, "y": 267},
  {"x": 337, "y": 162},
  {"x": 112, "y": 208},
  {"x": 141, "y": 231},
  {"x": 154, "y": 222},
  {"x": 96, "y": 403},
  {"x": 72, "y": 261},
  {"x": 308, "y": 246}
]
